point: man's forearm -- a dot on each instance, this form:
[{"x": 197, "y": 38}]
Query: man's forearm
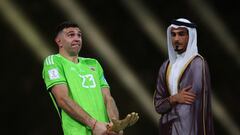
[
  {"x": 75, "y": 111},
  {"x": 112, "y": 108}
]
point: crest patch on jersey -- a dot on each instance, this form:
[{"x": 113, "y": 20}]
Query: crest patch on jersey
[
  {"x": 53, "y": 74},
  {"x": 92, "y": 68}
]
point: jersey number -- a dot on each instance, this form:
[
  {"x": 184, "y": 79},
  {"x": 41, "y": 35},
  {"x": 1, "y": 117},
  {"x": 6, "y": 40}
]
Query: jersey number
[{"x": 88, "y": 81}]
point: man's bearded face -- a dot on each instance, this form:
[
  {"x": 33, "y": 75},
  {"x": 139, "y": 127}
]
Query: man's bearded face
[{"x": 180, "y": 39}]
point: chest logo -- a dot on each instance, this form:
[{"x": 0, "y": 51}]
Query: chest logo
[{"x": 88, "y": 81}]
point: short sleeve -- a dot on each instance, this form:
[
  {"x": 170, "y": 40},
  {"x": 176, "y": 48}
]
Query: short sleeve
[
  {"x": 52, "y": 71},
  {"x": 102, "y": 79}
]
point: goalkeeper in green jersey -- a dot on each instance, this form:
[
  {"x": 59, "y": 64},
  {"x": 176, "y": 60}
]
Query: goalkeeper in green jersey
[{"x": 79, "y": 89}]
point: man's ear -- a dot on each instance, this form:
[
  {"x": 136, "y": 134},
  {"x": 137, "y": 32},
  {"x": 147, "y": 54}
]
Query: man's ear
[{"x": 58, "y": 41}]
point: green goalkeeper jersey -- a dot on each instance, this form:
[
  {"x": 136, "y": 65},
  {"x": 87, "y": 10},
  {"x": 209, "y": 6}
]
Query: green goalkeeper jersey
[{"x": 84, "y": 81}]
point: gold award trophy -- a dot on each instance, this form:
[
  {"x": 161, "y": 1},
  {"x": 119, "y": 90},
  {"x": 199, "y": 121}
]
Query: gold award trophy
[{"x": 119, "y": 125}]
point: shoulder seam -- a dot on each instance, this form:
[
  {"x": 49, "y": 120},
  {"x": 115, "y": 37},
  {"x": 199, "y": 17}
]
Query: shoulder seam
[{"x": 200, "y": 56}]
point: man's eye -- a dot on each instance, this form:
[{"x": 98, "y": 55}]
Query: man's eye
[
  {"x": 173, "y": 34},
  {"x": 79, "y": 35},
  {"x": 70, "y": 35},
  {"x": 182, "y": 33}
]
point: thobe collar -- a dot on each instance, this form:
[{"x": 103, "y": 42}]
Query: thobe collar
[{"x": 175, "y": 71}]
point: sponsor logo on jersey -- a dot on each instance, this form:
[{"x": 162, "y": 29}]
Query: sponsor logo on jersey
[
  {"x": 73, "y": 69},
  {"x": 53, "y": 74}
]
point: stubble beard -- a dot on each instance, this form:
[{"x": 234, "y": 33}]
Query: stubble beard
[{"x": 178, "y": 49}]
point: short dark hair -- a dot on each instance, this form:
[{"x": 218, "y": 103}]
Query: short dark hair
[{"x": 63, "y": 25}]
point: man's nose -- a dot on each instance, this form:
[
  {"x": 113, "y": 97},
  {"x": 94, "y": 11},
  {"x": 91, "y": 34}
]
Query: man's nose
[
  {"x": 77, "y": 38},
  {"x": 176, "y": 38}
]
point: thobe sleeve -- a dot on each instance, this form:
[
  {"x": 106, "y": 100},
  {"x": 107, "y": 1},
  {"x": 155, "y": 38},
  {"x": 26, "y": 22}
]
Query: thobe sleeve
[
  {"x": 202, "y": 87},
  {"x": 197, "y": 76},
  {"x": 161, "y": 95}
]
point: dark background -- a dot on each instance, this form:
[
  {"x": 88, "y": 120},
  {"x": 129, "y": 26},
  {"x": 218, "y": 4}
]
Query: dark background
[{"x": 27, "y": 109}]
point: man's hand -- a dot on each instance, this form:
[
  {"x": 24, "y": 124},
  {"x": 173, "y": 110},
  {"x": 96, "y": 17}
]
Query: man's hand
[
  {"x": 185, "y": 96},
  {"x": 99, "y": 129},
  {"x": 119, "y": 125}
]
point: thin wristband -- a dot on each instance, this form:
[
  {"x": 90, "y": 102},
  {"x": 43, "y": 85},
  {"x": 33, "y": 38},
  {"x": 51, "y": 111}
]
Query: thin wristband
[{"x": 94, "y": 125}]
